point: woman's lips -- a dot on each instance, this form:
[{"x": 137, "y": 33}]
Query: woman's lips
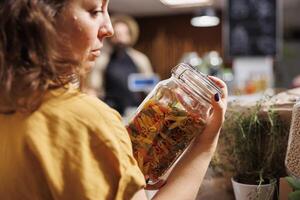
[{"x": 96, "y": 53}]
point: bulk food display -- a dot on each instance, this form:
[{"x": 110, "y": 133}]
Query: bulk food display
[
  {"x": 169, "y": 118},
  {"x": 292, "y": 161}
]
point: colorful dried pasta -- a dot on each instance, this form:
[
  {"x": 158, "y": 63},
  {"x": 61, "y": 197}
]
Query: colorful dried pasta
[{"x": 160, "y": 133}]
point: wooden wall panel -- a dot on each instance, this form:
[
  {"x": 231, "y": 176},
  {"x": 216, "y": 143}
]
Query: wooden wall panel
[{"x": 165, "y": 39}]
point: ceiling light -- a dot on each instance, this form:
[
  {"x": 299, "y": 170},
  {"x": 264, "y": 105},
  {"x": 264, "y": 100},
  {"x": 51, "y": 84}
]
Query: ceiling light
[
  {"x": 186, "y": 3},
  {"x": 205, "y": 18},
  {"x": 205, "y": 21}
]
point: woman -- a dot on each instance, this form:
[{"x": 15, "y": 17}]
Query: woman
[{"x": 57, "y": 143}]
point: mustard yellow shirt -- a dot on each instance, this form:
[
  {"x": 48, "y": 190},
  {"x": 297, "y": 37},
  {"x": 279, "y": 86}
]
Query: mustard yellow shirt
[{"x": 72, "y": 147}]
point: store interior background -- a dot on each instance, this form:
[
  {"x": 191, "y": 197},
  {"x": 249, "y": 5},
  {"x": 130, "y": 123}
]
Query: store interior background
[{"x": 166, "y": 35}]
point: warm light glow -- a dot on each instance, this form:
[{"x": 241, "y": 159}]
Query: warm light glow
[
  {"x": 205, "y": 21},
  {"x": 185, "y": 2}
]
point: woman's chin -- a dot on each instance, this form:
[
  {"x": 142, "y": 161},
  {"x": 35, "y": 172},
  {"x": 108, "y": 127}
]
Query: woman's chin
[{"x": 88, "y": 66}]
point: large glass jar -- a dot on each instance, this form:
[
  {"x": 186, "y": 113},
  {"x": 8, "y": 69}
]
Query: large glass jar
[
  {"x": 169, "y": 118},
  {"x": 292, "y": 161}
]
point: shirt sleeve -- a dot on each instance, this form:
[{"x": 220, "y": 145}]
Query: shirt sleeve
[
  {"x": 132, "y": 178},
  {"x": 87, "y": 157}
]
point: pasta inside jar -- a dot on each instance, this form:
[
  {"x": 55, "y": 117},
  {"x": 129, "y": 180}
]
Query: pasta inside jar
[{"x": 169, "y": 119}]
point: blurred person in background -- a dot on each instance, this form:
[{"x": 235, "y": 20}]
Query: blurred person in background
[
  {"x": 59, "y": 143},
  {"x": 109, "y": 78}
]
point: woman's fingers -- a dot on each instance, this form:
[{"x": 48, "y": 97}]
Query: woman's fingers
[
  {"x": 219, "y": 105},
  {"x": 219, "y": 108},
  {"x": 220, "y": 84}
]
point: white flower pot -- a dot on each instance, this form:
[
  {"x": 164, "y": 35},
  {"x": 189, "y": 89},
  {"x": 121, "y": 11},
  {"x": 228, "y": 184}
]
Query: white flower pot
[{"x": 253, "y": 192}]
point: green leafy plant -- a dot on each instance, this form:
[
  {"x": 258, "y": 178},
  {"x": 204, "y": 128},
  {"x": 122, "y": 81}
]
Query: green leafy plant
[
  {"x": 295, "y": 184},
  {"x": 253, "y": 145}
]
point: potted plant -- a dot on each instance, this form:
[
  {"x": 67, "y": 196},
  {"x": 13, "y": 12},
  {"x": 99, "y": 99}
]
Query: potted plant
[
  {"x": 295, "y": 184},
  {"x": 252, "y": 146}
]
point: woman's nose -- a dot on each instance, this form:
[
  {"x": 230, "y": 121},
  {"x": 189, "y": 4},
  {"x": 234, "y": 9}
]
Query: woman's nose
[{"x": 106, "y": 30}]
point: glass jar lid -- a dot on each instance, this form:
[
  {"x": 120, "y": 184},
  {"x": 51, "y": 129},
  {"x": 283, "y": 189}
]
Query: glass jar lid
[{"x": 198, "y": 82}]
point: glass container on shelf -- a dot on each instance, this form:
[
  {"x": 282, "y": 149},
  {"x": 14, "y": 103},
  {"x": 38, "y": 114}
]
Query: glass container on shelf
[
  {"x": 169, "y": 118},
  {"x": 292, "y": 161}
]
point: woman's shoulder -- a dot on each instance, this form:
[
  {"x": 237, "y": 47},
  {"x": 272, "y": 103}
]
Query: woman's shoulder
[
  {"x": 78, "y": 113},
  {"x": 73, "y": 114},
  {"x": 73, "y": 106},
  {"x": 135, "y": 53}
]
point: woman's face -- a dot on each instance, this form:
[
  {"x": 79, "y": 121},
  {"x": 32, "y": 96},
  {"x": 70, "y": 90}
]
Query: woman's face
[{"x": 84, "y": 24}]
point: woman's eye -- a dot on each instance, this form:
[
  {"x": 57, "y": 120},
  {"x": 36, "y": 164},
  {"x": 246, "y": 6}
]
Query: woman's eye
[{"x": 95, "y": 13}]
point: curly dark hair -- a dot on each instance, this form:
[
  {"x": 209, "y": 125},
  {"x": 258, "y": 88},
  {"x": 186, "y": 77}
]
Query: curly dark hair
[{"x": 29, "y": 63}]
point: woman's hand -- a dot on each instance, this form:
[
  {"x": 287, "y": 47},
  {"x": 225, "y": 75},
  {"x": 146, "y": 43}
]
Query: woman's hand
[{"x": 214, "y": 124}]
